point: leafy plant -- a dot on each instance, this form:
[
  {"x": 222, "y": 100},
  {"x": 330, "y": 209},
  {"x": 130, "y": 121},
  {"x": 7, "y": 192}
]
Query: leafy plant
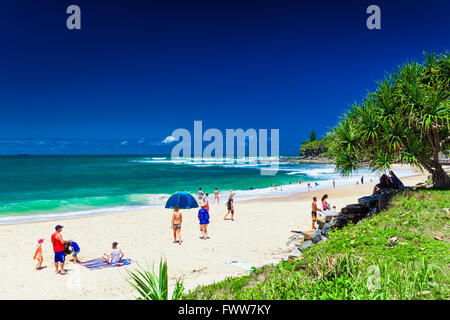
[
  {"x": 152, "y": 286},
  {"x": 406, "y": 120}
]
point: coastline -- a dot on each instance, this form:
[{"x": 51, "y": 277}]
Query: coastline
[
  {"x": 157, "y": 200},
  {"x": 145, "y": 236}
]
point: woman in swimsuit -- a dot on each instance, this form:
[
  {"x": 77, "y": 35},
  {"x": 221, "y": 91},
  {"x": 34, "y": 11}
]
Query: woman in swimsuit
[
  {"x": 216, "y": 195},
  {"x": 230, "y": 206},
  {"x": 177, "y": 218},
  {"x": 325, "y": 205}
]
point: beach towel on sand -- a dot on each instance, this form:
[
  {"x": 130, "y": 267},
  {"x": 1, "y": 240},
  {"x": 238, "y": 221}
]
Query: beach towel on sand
[{"x": 100, "y": 264}]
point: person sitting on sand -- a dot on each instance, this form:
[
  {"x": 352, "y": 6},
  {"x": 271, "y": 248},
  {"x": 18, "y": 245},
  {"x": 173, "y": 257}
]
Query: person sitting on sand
[
  {"x": 114, "y": 256},
  {"x": 177, "y": 218},
  {"x": 38, "y": 254},
  {"x": 59, "y": 249},
  {"x": 203, "y": 218},
  {"x": 230, "y": 206},
  {"x": 76, "y": 250},
  {"x": 216, "y": 195},
  {"x": 314, "y": 212},
  {"x": 397, "y": 184},
  {"x": 385, "y": 183}
]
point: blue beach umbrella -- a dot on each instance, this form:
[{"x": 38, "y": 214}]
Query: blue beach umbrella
[{"x": 182, "y": 200}]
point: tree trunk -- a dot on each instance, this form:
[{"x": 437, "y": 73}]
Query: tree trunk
[{"x": 440, "y": 178}]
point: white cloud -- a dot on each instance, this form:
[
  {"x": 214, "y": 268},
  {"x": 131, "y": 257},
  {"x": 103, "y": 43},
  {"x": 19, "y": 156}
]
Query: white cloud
[
  {"x": 124, "y": 143},
  {"x": 169, "y": 139}
]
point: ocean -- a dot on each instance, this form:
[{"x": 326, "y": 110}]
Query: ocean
[{"x": 44, "y": 187}]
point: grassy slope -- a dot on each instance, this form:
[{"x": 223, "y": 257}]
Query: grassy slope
[{"x": 362, "y": 261}]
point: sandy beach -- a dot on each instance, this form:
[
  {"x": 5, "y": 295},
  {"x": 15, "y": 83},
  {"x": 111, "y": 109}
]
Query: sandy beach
[{"x": 257, "y": 236}]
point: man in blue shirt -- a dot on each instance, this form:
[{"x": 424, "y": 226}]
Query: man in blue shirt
[{"x": 76, "y": 250}]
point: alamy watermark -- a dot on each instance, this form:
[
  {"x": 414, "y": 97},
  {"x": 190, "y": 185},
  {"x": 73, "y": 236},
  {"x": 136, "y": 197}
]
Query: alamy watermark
[
  {"x": 255, "y": 141},
  {"x": 73, "y": 22},
  {"x": 374, "y": 20}
]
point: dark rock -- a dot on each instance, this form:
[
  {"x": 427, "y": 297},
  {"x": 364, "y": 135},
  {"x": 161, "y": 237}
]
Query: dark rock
[
  {"x": 369, "y": 201},
  {"x": 317, "y": 236},
  {"x": 325, "y": 229},
  {"x": 372, "y": 212},
  {"x": 355, "y": 209},
  {"x": 321, "y": 220},
  {"x": 382, "y": 201},
  {"x": 333, "y": 221},
  {"x": 305, "y": 245}
]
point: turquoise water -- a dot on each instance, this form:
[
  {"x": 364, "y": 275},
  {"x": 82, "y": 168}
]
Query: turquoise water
[{"x": 34, "y": 185}]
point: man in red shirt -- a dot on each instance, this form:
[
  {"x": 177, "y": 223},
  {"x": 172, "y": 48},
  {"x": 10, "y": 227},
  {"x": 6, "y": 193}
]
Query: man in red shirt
[{"x": 58, "y": 248}]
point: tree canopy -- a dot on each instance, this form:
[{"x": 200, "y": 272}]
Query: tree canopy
[
  {"x": 312, "y": 135},
  {"x": 406, "y": 120}
]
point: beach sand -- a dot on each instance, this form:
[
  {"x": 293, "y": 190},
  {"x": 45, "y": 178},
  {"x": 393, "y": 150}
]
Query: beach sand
[{"x": 258, "y": 235}]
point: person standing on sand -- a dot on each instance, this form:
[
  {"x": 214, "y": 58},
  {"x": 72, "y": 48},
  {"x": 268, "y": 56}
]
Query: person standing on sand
[
  {"x": 334, "y": 184},
  {"x": 58, "y": 248},
  {"x": 206, "y": 202},
  {"x": 216, "y": 196},
  {"x": 362, "y": 180},
  {"x": 314, "y": 212},
  {"x": 309, "y": 186},
  {"x": 230, "y": 206},
  {"x": 38, "y": 254},
  {"x": 325, "y": 205},
  {"x": 177, "y": 218},
  {"x": 200, "y": 194},
  {"x": 203, "y": 218}
]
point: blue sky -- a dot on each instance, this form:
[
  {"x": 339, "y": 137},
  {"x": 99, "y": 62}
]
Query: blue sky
[{"x": 137, "y": 70}]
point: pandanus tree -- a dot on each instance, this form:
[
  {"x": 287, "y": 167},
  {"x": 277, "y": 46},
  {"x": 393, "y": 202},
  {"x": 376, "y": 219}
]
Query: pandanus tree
[{"x": 406, "y": 120}]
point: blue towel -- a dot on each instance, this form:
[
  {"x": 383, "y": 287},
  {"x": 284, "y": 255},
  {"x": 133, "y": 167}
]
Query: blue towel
[{"x": 98, "y": 263}]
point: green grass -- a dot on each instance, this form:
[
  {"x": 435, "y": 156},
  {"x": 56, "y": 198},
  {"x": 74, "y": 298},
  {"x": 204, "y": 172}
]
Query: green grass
[{"x": 363, "y": 261}]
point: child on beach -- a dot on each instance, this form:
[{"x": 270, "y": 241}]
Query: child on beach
[
  {"x": 38, "y": 254},
  {"x": 314, "y": 212},
  {"x": 76, "y": 250},
  {"x": 203, "y": 218},
  {"x": 177, "y": 218},
  {"x": 333, "y": 210}
]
